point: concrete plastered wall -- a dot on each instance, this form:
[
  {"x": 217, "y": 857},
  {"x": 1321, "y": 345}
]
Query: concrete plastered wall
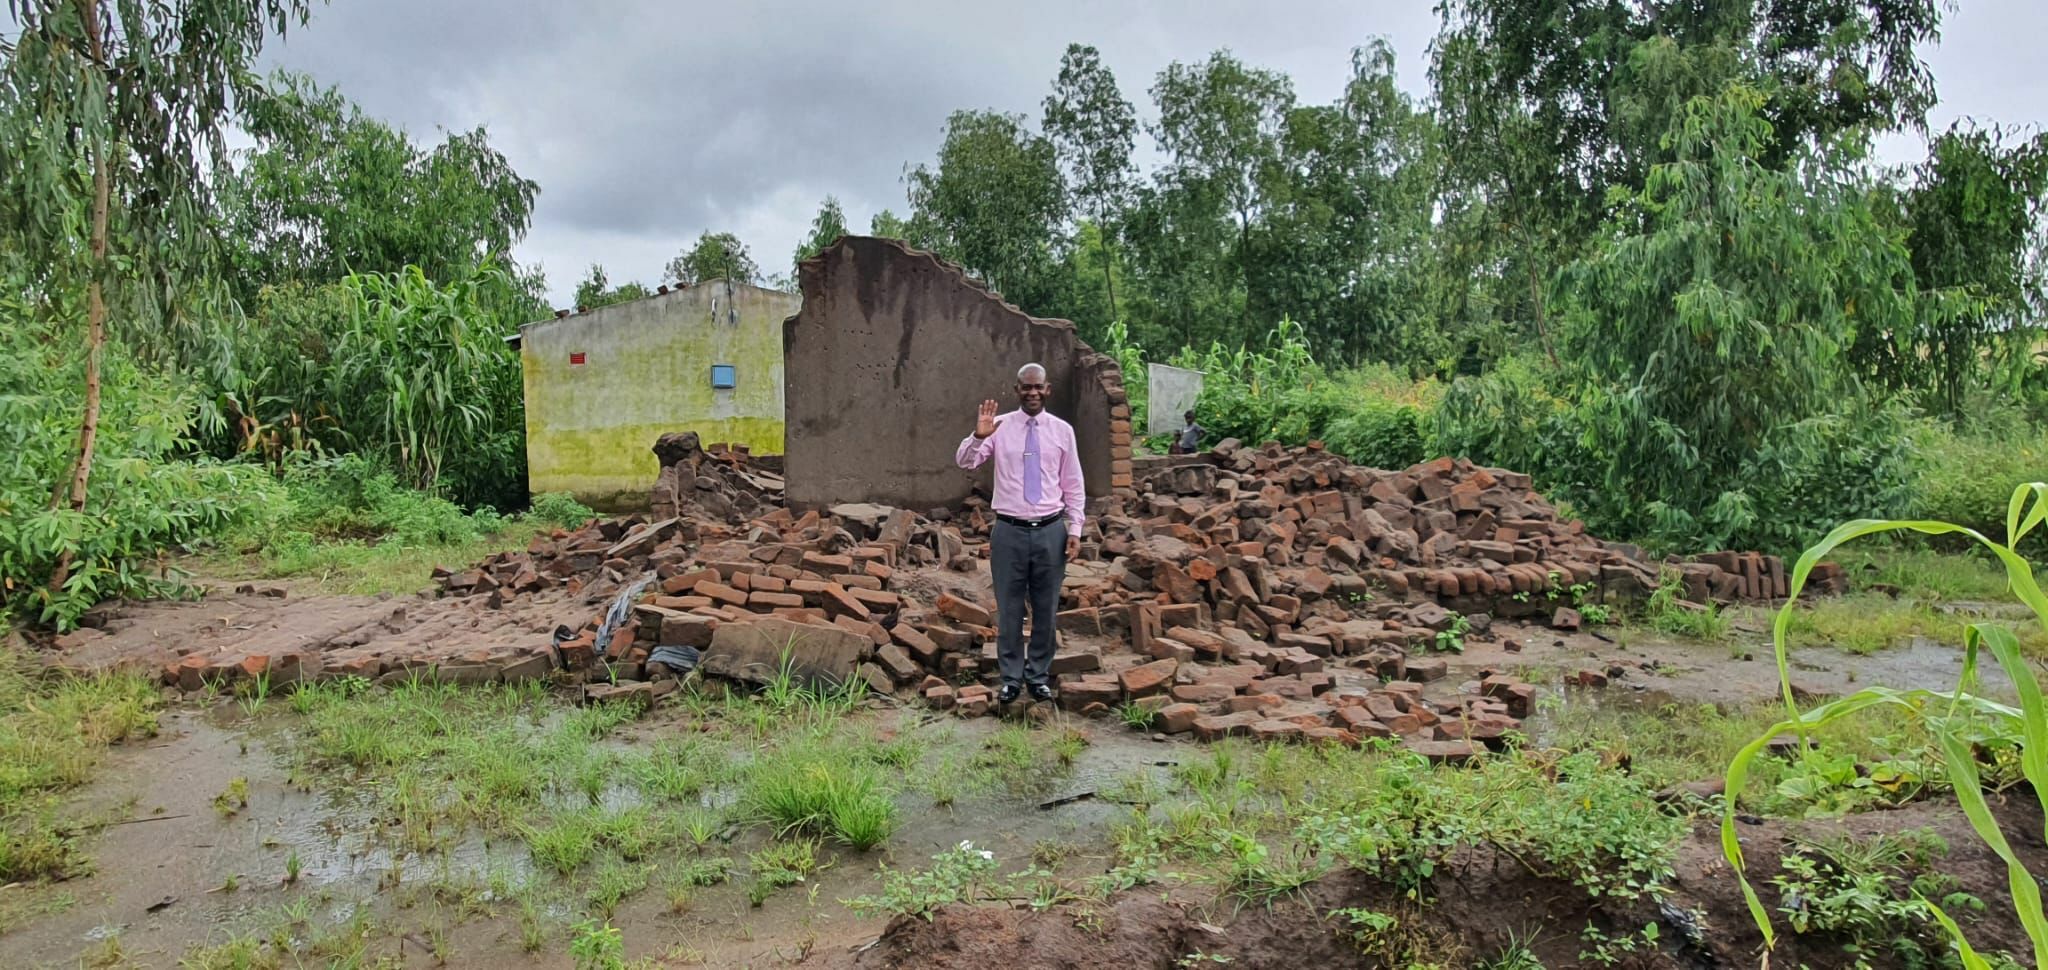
[
  {"x": 892, "y": 352},
  {"x": 646, "y": 370}
]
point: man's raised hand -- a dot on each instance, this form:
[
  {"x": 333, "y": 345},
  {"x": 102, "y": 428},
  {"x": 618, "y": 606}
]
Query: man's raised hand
[{"x": 985, "y": 423}]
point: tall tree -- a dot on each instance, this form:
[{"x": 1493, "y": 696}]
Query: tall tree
[
  {"x": 1977, "y": 239},
  {"x": 1348, "y": 217},
  {"x": 120, "y": 106},
  {"x": 328, "y": 191},
  {"x": 716, "y": 256},
  {"x": 889, "y": 225},
  {"x": 1546, "y": 105},
  {"x": 826, "y": 228},
  {"x": 1092, "y": 129},
  {"x": 994, "y": 202},
  {"x": 1220, "y": 123},
  {"x": 1710, "y": 330}
]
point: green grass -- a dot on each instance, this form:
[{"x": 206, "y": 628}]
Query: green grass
[
  {"x": 365, "y": 567},
  {"x": 1864, "y": 623},
  {"x": 53, "y": 730},
  {"x": 811, "y": 786}
]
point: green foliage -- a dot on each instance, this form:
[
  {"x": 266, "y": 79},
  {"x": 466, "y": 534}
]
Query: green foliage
[
  {"x": 826, "y": 228},
  {"x": 1452, "y": 638},
  {"x": 328, "y": 191},
  {"x": 1710, "y": 392},
  {"x": 434, "y": 393},
  {"x": 1091, "y": 128},
  {"x": 596, "y": 290},
  {"x": 1964, "y": 473},
  {"x": 1872, "y": 894},
  {"x": 781, "y": 864},
  {"x": 52, "y": 730},
  {"x": 812, "y": 788},
  {"x": 1667, "y": 612},
  {"x": 993, "y": 198},
  {"x": 560, "y": 508},
  {"x": 958, "y": 875},
  {"x": 716, "y": 256},
  {"x": 1962, "y": 725},
  {"x": 142, "y": 504},
  {"x": 1976, "y": 240},
  {"x": 597, "y": 946}
]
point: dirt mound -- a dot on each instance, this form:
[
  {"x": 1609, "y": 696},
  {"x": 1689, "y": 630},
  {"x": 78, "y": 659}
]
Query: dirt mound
[{"x": 1483, "y": 901}]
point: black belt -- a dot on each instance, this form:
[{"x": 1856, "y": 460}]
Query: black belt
[{"x": 1031, "y": 523}]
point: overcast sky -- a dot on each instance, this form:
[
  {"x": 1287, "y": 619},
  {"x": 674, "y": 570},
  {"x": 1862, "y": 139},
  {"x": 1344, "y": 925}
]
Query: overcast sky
[{"x": 647, "y": 122}]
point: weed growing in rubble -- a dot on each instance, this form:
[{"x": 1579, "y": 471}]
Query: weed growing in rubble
[
  {"x": 1136, "y": 716},
  {"x": 1452, "y": 638}
]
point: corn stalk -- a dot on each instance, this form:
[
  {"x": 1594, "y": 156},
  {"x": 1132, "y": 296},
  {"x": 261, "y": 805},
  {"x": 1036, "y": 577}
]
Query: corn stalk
[{"x": 1942, "y": 712}]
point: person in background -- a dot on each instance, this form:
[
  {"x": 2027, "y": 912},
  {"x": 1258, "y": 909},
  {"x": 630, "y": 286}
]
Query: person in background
[
  {"x": 1038, "y": 499},
  {"x": 1190, "y": 437}
]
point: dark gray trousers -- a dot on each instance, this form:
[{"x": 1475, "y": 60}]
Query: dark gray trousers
[{"x": 1027, "y": 566}]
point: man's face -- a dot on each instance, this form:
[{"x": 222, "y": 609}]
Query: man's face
[{"x": 1031, "y": 390}]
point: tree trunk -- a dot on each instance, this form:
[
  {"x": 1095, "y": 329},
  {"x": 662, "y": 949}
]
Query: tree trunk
[
  {"x": 1536, "y": 306},
  {"x": 95, "y": 309},
  {"x": 1108, "y": 276}
]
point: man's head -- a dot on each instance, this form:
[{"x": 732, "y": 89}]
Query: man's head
[
  {"x": 1031, "y": 388},
  {"x": 1190, "y": 416}
]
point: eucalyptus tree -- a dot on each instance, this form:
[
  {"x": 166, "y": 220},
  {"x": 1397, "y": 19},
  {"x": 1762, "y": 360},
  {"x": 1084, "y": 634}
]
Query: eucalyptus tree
[
  {"x": 1092, "y": 128},
  {"x": 112, "y": 116}
]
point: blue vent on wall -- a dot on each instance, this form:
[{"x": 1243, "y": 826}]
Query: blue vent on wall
[{"x": 723, "y": 375}]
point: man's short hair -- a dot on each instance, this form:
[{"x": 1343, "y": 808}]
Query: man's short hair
[
  {"x": 1190, "y": 415},
  {"x": 1028, "y": 368}
]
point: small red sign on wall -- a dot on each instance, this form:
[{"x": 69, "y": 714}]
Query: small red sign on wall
[{"x": 576, "y": 358}]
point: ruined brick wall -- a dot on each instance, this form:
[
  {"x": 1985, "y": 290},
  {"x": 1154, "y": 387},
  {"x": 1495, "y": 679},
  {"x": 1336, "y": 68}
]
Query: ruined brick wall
[{"x": 888, "y": 359}]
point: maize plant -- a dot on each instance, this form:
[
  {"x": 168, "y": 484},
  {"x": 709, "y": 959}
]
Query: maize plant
[{"x": 1953, "y": 718}]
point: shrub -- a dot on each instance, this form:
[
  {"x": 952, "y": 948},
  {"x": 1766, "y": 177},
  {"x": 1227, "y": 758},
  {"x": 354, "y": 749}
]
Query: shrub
[
  {"x": 560, "y": 508},
  {"x": 141, "y": 501},
  {"x": 1379, "y": 434}
]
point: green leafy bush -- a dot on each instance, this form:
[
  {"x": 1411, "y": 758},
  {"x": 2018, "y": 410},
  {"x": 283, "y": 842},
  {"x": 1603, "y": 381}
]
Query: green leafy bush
[
  {"x": 560, "y": 508},
  {"x": 1379, "y": 434},
  {"x": 142, "y": 502}
]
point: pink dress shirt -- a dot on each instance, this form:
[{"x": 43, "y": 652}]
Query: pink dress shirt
[{"x": 1059, "y": 465}]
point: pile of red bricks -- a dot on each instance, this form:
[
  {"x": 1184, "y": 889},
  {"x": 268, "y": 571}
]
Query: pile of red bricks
[{"x": 1271, "y": 593}]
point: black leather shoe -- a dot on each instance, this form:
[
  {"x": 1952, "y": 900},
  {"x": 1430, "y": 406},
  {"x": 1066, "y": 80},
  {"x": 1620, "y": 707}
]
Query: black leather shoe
[
  {"x": 1041, "y": 692},
  {"x": 1007, "y": 694}
]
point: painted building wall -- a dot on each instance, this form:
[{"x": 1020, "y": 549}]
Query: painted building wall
[{"x": 646, "y": 369}]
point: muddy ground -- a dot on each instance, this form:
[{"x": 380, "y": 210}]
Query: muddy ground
[
  {"x": 1485, "y": 903},
  {"x": 166, "y": 863}
]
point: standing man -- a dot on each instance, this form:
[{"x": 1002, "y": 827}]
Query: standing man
[
  {"x": 1038, "y": 500},
  {"x": 1190, "y": 437}
]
